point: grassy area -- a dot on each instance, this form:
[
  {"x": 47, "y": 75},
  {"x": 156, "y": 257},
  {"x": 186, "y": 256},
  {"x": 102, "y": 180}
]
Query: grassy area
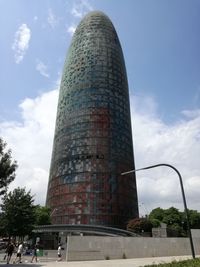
[{"x": 186, "y": 263}]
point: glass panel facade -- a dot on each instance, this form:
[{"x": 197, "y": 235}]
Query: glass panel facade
[{"x": 93, "y": 139}]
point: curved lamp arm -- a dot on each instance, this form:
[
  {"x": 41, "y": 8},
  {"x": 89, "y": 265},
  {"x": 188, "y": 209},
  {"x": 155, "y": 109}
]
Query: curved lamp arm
[{"x": 183, "y": 195}]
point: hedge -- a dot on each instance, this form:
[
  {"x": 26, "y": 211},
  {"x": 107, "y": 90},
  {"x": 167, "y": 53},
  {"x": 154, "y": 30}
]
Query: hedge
[{"x": 185, "y": 263}]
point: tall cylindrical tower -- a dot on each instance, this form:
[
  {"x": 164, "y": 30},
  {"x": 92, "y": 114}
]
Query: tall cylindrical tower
[{"x": 93, "y": 139}]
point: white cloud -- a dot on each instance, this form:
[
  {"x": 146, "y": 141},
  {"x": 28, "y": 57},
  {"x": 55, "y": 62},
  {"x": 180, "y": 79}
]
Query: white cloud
[
  {"x": 191, "y": 113},
  {"x": 71, "y": 29},
  {"x": 52, "y": 19},
  {"x": 21, "y": 42},
  {"x": 154, "y": 142},
  {"x": 31, "y": 142},
  {"x": 42, "y": 68},
  {"x": 80, "y": 8}
]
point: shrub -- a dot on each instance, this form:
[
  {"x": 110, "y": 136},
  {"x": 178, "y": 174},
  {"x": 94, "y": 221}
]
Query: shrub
[{"x": 185, "y": 263}]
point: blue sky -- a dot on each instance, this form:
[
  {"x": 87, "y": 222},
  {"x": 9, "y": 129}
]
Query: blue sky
[{"x": 160, "y": 41}]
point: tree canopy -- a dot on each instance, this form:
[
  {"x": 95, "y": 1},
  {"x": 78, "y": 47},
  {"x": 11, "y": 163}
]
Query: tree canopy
[
  {"x": 139, "y": 225},
  {"x": 42, "y": 215},
  {"x": 157, "y": 214},
  {"x": 175, "y": 219},
  {"x": 18, "y": 213},
  {"x": 7, "y": 167},
  {"x": 194, "y": 219},
  {"x": 172, "y": 217}
]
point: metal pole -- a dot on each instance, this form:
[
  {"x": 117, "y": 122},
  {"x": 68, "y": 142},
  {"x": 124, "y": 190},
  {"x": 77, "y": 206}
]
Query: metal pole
[{"x": 183, "y": 195}]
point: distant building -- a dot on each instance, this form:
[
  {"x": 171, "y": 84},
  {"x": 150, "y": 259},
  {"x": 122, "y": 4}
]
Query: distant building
[{"x": 93, "y": 138}]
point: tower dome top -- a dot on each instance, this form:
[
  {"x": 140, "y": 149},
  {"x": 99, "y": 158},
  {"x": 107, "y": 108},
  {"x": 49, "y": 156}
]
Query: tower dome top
[
  {"x": 96, "y": 13},
  {"x": 95, "y": 21}
]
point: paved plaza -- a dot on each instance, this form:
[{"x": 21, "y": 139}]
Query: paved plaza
[{"x": 137, "y": 262}]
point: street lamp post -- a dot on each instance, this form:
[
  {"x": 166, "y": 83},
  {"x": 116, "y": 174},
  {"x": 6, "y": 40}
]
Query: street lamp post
[{"x": 183, "y": 195}]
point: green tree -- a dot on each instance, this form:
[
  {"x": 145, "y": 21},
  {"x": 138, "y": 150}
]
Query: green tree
[
  {"x": 157, "y": 214},
  {"x": 172, "y": 216},
  {"x": 155, "y": 222},
  {"x": 175, "y": 220},
  {"x": 18, "y": 213},
  {"x": 7, "y": 167},
  {"x": 194, "y": 216},
  {"x": 139, "y": 225},
  {"x": 2, "y": 230},
  {"x": 42, "y": 215},
  {"x": 176, "y": 230}
]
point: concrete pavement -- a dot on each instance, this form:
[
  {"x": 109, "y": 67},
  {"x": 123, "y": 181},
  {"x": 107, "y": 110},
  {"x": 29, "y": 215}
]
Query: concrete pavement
[{"x": 137, "y": 262}]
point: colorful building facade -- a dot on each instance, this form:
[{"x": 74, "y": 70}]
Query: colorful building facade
[{"x": 93, "y": 137}]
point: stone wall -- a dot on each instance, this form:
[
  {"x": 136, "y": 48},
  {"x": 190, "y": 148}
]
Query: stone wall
[
  {"x": 195, "y": 233},
  {"x": 100, "y": 248}
]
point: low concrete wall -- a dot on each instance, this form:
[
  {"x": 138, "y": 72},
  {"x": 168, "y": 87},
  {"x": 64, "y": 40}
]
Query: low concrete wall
[
  {"x": 52, "y": 254},
  {"x": 195, "y": 233},
  {"x": 100, "y": 248}
]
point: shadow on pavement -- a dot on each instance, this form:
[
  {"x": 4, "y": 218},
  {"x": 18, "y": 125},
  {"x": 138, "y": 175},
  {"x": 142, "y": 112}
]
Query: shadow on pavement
[
  {"x": 26, "y": 262},
  {"x": 23, "y": 264}
]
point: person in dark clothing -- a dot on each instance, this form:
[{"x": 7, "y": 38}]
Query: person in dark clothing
[
  {"x": 35, "y": 252},
  {"x": 9, "y": 250}
]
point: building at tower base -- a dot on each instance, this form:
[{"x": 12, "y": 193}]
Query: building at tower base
[{"x": 93, "y": 137}]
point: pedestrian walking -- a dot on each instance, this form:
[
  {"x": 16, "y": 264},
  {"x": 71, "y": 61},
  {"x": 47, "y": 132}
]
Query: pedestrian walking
[
  {"x": 35, "y": 249},
  {"x": 9, "y": 250},
  {"x": 59, "y": 252},
  {"x": 19, "y": 253}
]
